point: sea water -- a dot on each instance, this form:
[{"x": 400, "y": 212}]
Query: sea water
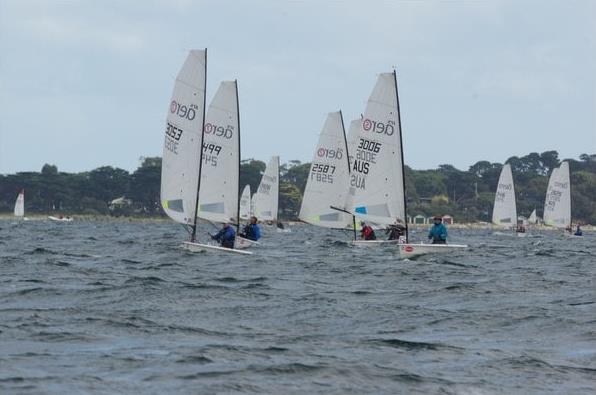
[{"x": 119, "y": 307}]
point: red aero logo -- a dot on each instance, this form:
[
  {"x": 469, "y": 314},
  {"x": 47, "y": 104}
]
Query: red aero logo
[
  {"x": 379, "y": 127},
  {"x": 409, "y": 248},
  {"x": 330, "y": 153},
  {"x": 219, "y": 131}
]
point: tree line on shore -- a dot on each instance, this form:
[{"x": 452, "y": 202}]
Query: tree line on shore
[{"x": 467, "y": 195}]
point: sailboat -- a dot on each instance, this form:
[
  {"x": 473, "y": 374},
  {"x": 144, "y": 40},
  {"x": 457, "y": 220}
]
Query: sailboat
[
  {"x": 377, "y": 184},
  {"x": 245, "y": 206},
  {"x": 505, "y": 211},
  {"x": 328, "y": 177},
  {"x": 19, "y": 206},
  {"x": 267, "y": 196},
  {"x": 533, "y": 219},
  {"x": 557, "y": 205},
  {"x": 201, "y": 157}
]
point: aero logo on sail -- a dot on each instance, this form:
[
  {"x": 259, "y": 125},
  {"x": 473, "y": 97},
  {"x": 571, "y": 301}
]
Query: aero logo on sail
[
  {"x": 186, "y": 112},
  {"x": 379, "y": 127},
  {"x": 337, "y": 153},
  {"x": 219, "y": 131}
]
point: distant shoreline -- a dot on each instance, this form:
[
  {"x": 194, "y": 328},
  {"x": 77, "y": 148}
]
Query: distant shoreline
[{"x": 161, "y": 219}]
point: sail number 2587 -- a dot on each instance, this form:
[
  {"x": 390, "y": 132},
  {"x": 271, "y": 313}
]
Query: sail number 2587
[{"x": 322, "y": 173}]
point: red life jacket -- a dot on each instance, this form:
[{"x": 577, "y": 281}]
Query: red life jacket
[{"x": 368, "y": 233}]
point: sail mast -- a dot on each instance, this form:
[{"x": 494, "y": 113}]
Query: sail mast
[
  {"x": 343, "y": 129},
  {"x": 239, "y": 152},
  {"x": 278, "y": 182},
  {"x": 194, "y": 226},
  {"x": 403, "y": 165}
]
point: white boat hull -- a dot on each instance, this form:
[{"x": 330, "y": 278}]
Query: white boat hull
[
  {"x": 241, "y": 243},
  {"x": 56, "y": 219},
  {"x": 198, "y": 247},
  {"x": 412, "y": 250},
  {"x": 371, "y": 243},
  {"x": 521, "y": 234}
]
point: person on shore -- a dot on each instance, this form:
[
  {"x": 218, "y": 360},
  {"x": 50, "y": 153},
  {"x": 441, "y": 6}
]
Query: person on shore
[
  {"x": 438, "y": 232},
  {"x": 252, "y": 231},
  {"x": 578, "y": 231},
  {"x": 367, "y": 233},
  {"x": 225, "y": 237},
  {"x": 396, "y": 231}
]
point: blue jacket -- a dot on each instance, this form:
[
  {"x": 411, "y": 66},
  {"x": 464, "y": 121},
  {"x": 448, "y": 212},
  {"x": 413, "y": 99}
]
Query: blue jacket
[
  {"x": 438, "y": 232},
  {"x": 252, "y": 232},
  {"x": 226, "y": 237}
]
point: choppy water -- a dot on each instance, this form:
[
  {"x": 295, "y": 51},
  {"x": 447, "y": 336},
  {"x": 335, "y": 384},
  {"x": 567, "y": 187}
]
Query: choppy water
[{"x": 118, "y": 307}]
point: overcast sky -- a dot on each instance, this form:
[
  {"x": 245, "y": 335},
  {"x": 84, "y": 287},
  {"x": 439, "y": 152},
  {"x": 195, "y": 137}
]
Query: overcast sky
[{"x": 87, "y": 83}]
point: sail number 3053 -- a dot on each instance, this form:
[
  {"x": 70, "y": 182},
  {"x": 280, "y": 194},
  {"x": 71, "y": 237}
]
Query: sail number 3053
[{"x": 173, "y": 135}]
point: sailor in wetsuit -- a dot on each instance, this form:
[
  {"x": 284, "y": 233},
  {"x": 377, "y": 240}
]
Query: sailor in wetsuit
[
  {"x": 367, "y": 233},
  {"x": 438, "y": 232},
  {"x": 225, "y": 236},
  {"x": 252, "y": 230}
]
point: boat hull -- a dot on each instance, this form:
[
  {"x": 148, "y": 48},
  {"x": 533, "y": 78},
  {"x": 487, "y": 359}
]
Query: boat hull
[
  {"x": 197, "y": 247},
  {"x": 241, "y": 243},
  {"x": 372, "y": 243},
  {"x": 412, "y": 250},
  {"x": 56, "y": 219}
]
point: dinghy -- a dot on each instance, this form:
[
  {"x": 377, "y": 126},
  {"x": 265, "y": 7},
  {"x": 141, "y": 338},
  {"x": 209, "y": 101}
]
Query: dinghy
[
  {"x": 557, "y": 205},
  {"x": 19, "y": 206},
  {"x": 245, "y": 214},
  {"x": 245, "y": 208},
  {"x": 377, "y": 184},
  {"x": 328, "y": 176},
  {"x": 504, "y": 209},
  {"x": 266, "y": 198},
  {"x": 201, "y": 156},
  {"x": 59, "y": 219},
  {"x": 533, "y": 219}
]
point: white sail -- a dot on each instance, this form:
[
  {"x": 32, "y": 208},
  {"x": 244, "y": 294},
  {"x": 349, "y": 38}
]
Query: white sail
[
  {"x": 267, "y": 195},
  {"x": 557, "y": 206},
  {"x": 504, "y": 211},
  {"x": 19, "y": 205},
  {"x": 376, "y": 180},
  {"x": 328, "y": 177},
  {"x": 533, "y": 219},
  {"x": 218, "y": 195},
  {"x": 183, "y": 140},
  {"x": 245, "y": 206}
]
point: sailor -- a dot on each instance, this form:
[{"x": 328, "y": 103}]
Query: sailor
[
  {"x": 225, "y": 236},
  {"x": 578, "y": 231},
  {"x": 252, "y": 231},
  {"x": 396, "y": 231},
  {"x": 367, "y": 233},
  {"x": 438, "y": 232},
  {"x": 521, "y": 228}
]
